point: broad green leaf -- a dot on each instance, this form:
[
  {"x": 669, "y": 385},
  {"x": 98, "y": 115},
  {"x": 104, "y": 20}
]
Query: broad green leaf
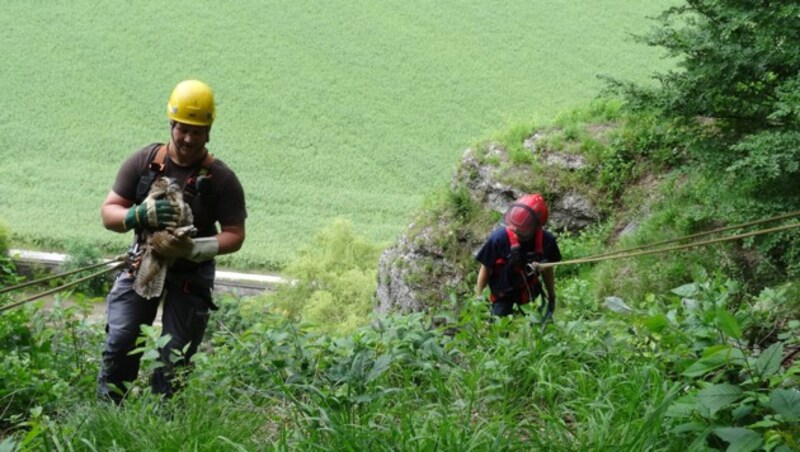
[
  {"x": 786, "y": 402},
  {"x": 8, "y": 445},
  {"x": 714, "y": 349},
  {"x": 689, "y": 427},
  {"x": 764, "y": 423},
  {"x": 714, "y": 357},
  {"x": 686, "y": 290},
  {"x": 690, "y": 304},
  {"x": 728, "y": 324},
  {"x": 702, "y": 366},
  {"x": 617, "y": 305},
  {"x": 380, "y": 366},
  {"x": 769, "y": 361},
  {"x": 739, "y": 439},
  {"x": 718, "y": 396},
  {"x": 150, "y": 355},
  {"x": 656, "y": 323},
  {"x": 741, "y": 411},
  {"x": 684, "y": 407}
]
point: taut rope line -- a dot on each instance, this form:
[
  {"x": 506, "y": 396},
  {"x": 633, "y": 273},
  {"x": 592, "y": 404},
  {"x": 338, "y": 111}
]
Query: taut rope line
[
  {"x": 61, "y": 287},
  {"x": 701, "y": 234},
  {"x": 630, "y": 252},
  {"x": 119, "y": 258},
  {"x": 674, "y": 248}
]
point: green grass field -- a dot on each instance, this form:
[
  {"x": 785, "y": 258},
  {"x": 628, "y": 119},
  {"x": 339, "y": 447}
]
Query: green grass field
[{"x": 353, "y": 109}]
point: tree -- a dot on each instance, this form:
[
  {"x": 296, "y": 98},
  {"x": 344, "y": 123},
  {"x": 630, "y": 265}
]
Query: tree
[{"x": 738, "y": 67}]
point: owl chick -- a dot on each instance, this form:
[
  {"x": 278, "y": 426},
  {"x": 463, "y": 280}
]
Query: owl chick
[{"x": 152, "y": 271}]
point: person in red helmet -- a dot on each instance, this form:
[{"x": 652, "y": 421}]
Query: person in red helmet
[{"x": 509, "y": 256}]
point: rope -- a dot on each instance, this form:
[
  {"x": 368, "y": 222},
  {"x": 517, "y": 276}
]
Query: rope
[
  {"x": 61, "y": 287},
  {"x": 701, "y": 234},
  {"x": 119, "y": 258},
  {"x": 674, "y": 248},
  {"x": 625, "y": 253}
]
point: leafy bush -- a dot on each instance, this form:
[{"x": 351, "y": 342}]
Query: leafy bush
[
  {"x": 8, "y": 271},
  {"x": 5, "y": 240},
  {"x": 735, "y": 89},
  {"x": 333, "y": 281},
  {"x": 81, "y": 254},
  {"x": 48, "y": 360},
  {"x": 694, "y": 366},
  {"x": 732, "y": 393}
]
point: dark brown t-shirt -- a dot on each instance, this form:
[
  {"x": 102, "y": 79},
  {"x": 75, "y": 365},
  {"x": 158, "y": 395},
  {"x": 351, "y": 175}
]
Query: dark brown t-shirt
[{"x": 223, "y": 202}]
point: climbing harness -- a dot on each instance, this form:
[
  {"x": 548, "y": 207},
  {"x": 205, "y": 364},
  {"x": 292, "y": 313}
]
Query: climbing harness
[
  {"x": 197, "y": 182},
  {"x": 527, "y": 280}
]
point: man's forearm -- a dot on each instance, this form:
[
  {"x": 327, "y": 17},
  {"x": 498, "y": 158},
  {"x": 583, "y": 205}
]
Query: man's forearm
[
  {"x": 483, "y": 278},
  {"x": 114, "y": 217},
  {"x": 230, "y": 239},
  {"x": 548, "y": 277}
]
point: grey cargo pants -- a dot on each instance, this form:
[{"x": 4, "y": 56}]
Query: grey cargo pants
[{"x": 185, "y": 312}]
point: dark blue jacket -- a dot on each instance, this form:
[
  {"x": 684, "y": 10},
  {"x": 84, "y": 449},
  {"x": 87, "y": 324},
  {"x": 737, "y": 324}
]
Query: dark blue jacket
[{"x": 505, "y": 281}]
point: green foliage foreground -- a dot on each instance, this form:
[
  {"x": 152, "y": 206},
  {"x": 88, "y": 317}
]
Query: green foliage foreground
[{"x": 671, "y": 370}]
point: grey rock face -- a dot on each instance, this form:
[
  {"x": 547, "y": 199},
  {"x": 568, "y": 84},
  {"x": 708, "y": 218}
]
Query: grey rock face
[
  {"x": 414, "y": 273},
  {"x": 405, "y": 272},
  {"x": 561, "y": 159},
  {"x": 572, "y": 212},
  {"x": 483, "y": 180}
]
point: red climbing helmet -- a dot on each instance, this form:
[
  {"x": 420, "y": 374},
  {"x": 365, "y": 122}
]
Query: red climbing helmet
[{"x": 526, "y": 215}]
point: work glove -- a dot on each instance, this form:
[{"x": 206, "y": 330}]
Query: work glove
[
  {"x": 195, "y": 250},
  {"x": 153, "y": 214}
]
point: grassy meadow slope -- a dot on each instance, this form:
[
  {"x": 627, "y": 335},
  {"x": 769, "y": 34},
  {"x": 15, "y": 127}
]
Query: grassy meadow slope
[{"x": 344, "y": 108}]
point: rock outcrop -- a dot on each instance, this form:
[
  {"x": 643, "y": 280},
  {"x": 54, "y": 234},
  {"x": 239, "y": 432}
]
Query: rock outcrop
[{"x": 432, "y": 259}]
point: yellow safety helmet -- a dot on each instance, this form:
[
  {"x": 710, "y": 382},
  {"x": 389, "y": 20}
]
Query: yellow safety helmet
[{"x": 191, "y": 102}]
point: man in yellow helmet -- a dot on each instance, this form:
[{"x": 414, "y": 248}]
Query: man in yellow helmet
[{"x": 216, "y": 198}]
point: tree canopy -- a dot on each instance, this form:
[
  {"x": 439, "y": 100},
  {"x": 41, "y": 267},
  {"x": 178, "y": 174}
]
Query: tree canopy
[{"x": 738, "y": 68}]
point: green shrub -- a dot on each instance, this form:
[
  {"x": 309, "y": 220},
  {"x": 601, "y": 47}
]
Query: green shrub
[
  {"x": 48, "y": 360},
  {"x": 333, "y": 280},
  {"x": 81, "y": 254},
  {"x": 5, "y": 240},
  {"x": 731, "y": 392},
  {"x": 8, "y": 271}
]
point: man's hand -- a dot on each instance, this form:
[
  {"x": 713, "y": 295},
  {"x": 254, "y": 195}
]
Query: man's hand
[
  {"x": 153, "y": 213},
  {"x": 195, "y": 250}
]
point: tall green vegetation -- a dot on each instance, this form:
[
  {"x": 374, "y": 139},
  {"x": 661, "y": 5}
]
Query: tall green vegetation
[
  {"x": 7, "y": 268},
  {"x": 331, "y": 281},
  {"x": 735, "y": 96},
  {"x": 692, "y": 355},
  {"x": 676, "y": 370},
  {"x": 736, "y": 86}
]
